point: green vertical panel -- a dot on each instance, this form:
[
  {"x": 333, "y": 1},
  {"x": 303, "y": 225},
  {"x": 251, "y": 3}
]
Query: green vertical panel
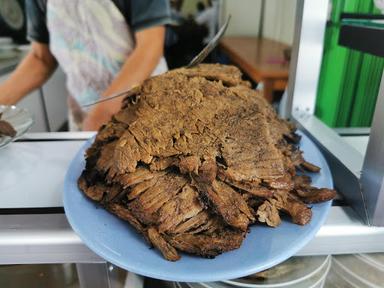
[
  {"x": 349, "y": 80},
  {"x": 367, "y": 90},
  {"x": 337, "y": 8},
  {"x": 348, "y": 87},
  {"x": 331, "y": 78}
]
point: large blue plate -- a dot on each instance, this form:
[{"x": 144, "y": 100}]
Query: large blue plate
[{"x": 120, "y": 244}]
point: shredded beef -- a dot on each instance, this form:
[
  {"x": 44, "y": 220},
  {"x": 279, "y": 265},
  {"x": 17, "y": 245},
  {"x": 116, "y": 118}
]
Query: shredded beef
[{"x": 194, "y": 157}]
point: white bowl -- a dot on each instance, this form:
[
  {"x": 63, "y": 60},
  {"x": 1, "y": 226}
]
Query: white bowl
[
  {"x": 362, "y": 268},
  {"x": 314, "y": 278},
  {"x": 19, "y": 118},
  {"x": 5, "y": 40},
  {"x": 298, "y": 270},
  {"x": 374, "y": 259},
  {"x": 341, "y": 276}
]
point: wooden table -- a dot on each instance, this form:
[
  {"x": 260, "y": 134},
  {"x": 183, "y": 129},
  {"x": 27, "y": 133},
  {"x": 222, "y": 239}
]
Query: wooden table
[{"x": 262, "y": 59}]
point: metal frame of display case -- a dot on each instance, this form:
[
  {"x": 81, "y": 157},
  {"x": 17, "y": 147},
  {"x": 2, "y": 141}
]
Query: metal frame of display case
[{"x": 359, "y": 179}]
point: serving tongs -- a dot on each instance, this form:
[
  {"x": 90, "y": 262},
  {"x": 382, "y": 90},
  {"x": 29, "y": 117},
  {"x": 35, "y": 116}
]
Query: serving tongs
[{"x": 195, "y": 61}]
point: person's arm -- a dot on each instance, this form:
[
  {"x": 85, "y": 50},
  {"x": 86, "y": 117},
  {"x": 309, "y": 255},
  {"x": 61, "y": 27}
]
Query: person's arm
[
  {"x": 138, "y": 67},
  {"x": 30, "y": 74}
]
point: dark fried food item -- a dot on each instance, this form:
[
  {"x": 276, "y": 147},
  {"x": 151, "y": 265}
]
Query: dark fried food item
[
  {"x": 195, "y": 157},
  {"x": 6, "y": 129}
]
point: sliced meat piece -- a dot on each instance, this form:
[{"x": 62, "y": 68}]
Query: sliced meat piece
[
  {"x": 227, "y": 202},
  {"x": 249, "y": 151},
  {"x": 112, "y": 192},
  {"x": 295, "y": 155},
  {"x": 301, "y": 181},
  {"x": 126, "y": 116},
  {"x": 184, "y": 206},
  {"x": 110, "y": 131},
  {"x": 258, "y": 191},
  {"x": 140, "y": 175},
  {"x": 298, "y": 211},
  {"x": 229, "y": 76},
  {"x": 268, "y": 213},
  {"x": 310, "y": 167},
  {"x": 207, "y": 245},
  {"x": 105, "y": 160},
  {"x": 160, "y": 243},
  {"x": 193, "y": 223},
  {"x": 213, "y": 224},
  {"x": 208, "y": 171},
  {"x": 128, "y": 153},
  {"x": 292, "y": 137},
  {"x": 159, "y": 164},
  {"x": 189, "y": 164},
  {"x": 315, "y": 195},
  {"x": 284, "y": 183},
  {"x": 124, "y": 214},
  {"x": 143, "y": 186},
  {"x": 298, "y": 160},
  {"x": 94, "y": 192},
  {"x": 253, "y": 188},
  {"x": 146, "y": 206}
]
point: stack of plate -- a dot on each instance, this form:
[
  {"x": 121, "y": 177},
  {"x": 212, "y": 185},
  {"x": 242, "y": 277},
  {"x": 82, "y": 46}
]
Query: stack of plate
[
  {"x": 7, "y": 48},
  {"x": 19, "y": 118},
  {"x": 296, "y": 272},
  {"x": 358, "y": 270}
]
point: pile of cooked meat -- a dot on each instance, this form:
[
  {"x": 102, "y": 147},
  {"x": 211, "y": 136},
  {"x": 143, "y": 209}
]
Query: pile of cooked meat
[
  {"x": 6, "y": 129},
  {"x": 194, "y": 157}
]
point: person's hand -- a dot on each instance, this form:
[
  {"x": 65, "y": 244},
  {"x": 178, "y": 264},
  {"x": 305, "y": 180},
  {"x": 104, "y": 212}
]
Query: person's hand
[
  {"x": 5, "y": 98},
  {"x": 100, "y": 114},
  {"x": 95, "y": 118},
  {"x": 137, "y": 67}
]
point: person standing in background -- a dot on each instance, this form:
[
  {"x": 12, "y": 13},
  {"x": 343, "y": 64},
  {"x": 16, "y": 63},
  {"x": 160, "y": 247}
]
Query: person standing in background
[
  {"x": 200, "y": 7},
  {"x": 103, "y": 46},
  {"x": 209, "y": 18}
]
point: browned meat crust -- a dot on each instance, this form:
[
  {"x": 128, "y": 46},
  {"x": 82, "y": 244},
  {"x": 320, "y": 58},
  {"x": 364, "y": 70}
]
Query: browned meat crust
[
  {"x": 315, "y": 195},
  {"x": 195, "y": 157},
  {"x": 168, "y": 251},
  {"x": 209, "y": 245}
]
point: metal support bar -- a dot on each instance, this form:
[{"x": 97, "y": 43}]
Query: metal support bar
[
  {"x": 307, "y": 52},
  {"x": 353, "y": 131},
  {"x": 372, "y": 178},
  {"x": 48, "y": 238},
  {"x": 344, "y": 233},
  {"x": 41, "y": 238},
  {"x": 287, "y": 110}
]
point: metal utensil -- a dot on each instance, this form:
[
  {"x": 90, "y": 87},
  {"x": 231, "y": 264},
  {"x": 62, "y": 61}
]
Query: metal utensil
[
  {"x": 195, "y": 61},
  {"x": 210, "y": 46}
]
